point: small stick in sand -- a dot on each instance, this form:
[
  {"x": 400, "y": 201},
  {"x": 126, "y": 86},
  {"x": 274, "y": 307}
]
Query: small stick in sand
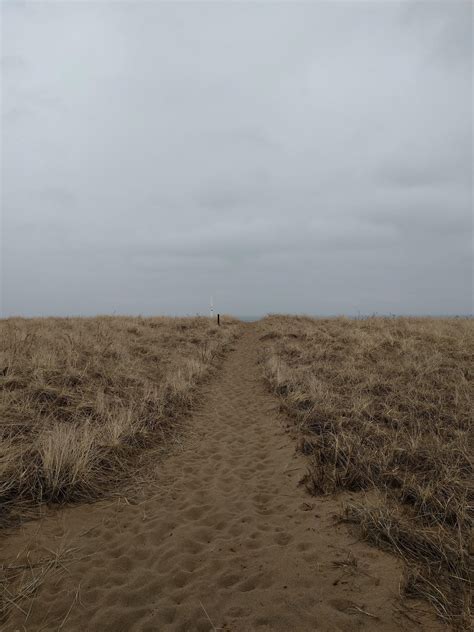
[
  {"x": 75, "y": 599},
  {"x": 369, "y": 614},
  {"x": 209, "y": 618}
]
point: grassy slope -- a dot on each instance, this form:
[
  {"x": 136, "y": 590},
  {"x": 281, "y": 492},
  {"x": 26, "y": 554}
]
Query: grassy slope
[
  {"x": 385, "y": 405},
  {"x": 79, "y": 398}
]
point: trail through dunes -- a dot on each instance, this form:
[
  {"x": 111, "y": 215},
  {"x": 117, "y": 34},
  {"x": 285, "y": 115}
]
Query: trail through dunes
[{"x": 228, "y": 542}]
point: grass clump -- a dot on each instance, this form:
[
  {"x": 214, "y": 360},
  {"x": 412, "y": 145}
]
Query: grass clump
[{"x": 385, "y": 405}]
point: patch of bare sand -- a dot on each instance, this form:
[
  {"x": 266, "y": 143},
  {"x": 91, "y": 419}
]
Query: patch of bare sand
[{"x": 229, "y": 542}]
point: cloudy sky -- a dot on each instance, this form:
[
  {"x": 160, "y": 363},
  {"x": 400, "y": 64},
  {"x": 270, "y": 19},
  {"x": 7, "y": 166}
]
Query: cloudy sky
[{"x": 284, "y": 157}]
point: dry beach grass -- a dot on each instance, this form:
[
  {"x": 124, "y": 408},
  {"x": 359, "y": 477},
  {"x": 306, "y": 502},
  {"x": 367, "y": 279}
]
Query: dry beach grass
[
  {"x": 384, "y": 407},
  {"x": 79, "y": 399}
]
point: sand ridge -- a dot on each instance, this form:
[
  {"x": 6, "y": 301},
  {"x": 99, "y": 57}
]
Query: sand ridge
[{"x": 228, "y": 542}]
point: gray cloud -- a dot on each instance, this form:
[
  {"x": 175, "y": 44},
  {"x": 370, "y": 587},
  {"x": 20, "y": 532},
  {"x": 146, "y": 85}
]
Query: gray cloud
[
  {"x": 307, "y": 157},
  {"x": 13, "y": 64},
  {"x": 449, "y": 25}
]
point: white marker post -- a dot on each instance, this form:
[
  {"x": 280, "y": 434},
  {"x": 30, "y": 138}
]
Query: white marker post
[{"x": 212, "y": 309}]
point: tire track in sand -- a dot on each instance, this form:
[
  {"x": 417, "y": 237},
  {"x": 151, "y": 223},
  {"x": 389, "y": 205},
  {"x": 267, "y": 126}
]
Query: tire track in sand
[{"x": 230, "y": 538}]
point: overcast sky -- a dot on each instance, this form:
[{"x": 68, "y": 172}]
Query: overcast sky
[{"x": 284, "y": 157}]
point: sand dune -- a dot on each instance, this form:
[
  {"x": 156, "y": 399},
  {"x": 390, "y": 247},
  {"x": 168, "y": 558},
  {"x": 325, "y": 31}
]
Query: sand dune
[{"x": 226, "y": 539}]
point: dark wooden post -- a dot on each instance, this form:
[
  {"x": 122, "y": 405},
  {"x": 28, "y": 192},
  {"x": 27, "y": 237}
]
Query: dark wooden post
[{"x": 219, "y": 319}]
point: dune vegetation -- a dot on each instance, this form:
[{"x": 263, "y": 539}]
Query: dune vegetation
[
  {"x": 80, "y": 398},
  {"x": 383, "y": 406}
]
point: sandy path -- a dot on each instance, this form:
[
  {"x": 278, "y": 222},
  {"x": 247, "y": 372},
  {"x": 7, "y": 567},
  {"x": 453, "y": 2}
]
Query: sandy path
[{"x": 229, "y": 534}]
